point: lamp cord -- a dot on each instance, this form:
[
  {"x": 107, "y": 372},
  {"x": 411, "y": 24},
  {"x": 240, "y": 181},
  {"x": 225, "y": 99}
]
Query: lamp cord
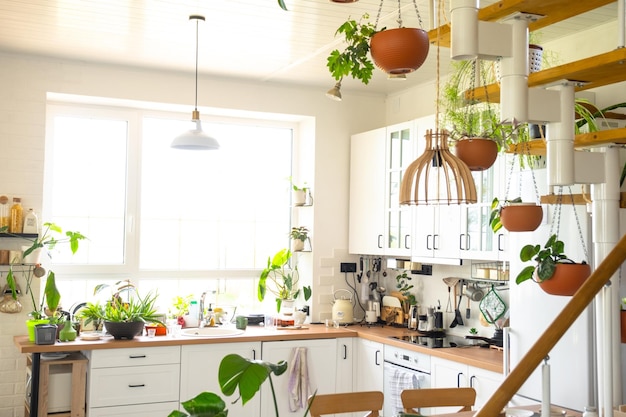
[{"x": 196, "y": 101}]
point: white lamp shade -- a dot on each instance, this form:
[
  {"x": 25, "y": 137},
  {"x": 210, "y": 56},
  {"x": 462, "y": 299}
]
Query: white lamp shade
[{"x": 195, "y": 139}]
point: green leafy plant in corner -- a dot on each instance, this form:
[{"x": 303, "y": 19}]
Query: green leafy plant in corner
[
  {"x": 234, "y": 372},
  {"x": 546, "y": 259},
  {"x": 283, "y": 281},
  {"x": 299, "y": 233},
  {"x": 354, "y": 60}
]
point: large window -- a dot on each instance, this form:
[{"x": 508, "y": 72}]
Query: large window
[{"x": 155, "y": 213}]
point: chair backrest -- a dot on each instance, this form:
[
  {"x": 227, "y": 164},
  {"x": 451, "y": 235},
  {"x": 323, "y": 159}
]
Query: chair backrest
[
  {"x": 349, "y": 402},
  {"x": 412, "y": 399}
]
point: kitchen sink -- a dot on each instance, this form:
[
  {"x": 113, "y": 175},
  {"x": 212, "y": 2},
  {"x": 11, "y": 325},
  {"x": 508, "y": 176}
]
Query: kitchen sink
[{"x": 210, "y": 332}]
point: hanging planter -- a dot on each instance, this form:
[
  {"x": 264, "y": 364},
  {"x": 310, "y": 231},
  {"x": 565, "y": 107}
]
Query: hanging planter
[
  {"x": 478, "y": 154},
  {"x": 566, "y": 279},
  {"x": 521, "y": 217},
  {"x": 399, "y": 51},
  {"x": 623, "y": 324}
]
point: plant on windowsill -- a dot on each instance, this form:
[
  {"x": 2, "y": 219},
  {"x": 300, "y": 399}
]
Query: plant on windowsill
[
  {"x": 283, "y": 280},
  {"x": 300, "y": 194},
  {"x": 299, "y": 235},
  {"x": 126, "y": 313},
  {"x": 553, "y": 270},
  {"x": 234, "y": 372}
]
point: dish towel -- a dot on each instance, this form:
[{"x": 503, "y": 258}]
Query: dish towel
[
  {"x": 299, "y": 386},
  {"x": 401, "y": 380}
]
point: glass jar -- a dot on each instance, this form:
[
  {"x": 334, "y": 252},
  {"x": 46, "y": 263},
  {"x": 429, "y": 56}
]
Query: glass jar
[
  {"x": 16, "y": 224},
  {"x": 5, "y": 216},
  {"x": 590, "y": 412}
]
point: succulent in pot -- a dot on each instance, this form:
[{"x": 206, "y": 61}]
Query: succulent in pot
[{"x": 553, "y": 270}]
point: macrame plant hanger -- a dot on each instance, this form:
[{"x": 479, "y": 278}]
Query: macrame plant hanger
[{"x": 557, "y": 219}]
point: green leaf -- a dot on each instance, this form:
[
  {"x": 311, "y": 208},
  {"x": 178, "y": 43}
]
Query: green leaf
[
  {"x": 246, "y": 374},
  {"x": 282, "y": 4},
  {"x": 11, "y": 284},
  {"x": 546, "y": 268},
  {"x": 525, "y": 274},
  {"x": 528, "y": 251},
  {"x": 206, "y": 404},
  {"x": 307, "y": 293},
  {"x": 53, "y": 296}
]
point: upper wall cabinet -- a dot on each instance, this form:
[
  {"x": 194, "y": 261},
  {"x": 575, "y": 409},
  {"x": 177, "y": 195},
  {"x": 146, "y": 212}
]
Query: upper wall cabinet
[{"x": 378, "y": 225}]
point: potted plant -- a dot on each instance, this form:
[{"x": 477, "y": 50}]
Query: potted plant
[
  {"x": 234, "y": 372},
  {"x": 299, "y": 235},
  {"x": 515, "y": 215},
  {"x": 126, "y": 313},
  {"x": 181, "y": 308},
  {"x": 553, "y": 270},
  {"x": 353, "y": 60},
  {"x": 301, "y": 196},
  {"x": 283, "y": 281}
]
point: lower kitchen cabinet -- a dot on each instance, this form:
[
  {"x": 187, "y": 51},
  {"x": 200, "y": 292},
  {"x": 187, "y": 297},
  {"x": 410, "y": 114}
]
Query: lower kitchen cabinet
[
  {"x": 323, "y": 360},
  {"x": 446, "y": 373},
  {"x": 199, "y": 367},
  {"x": 368, "y": 367},
  {"x": 345, "y": 364},
  {"x": 135, "y": 381}
]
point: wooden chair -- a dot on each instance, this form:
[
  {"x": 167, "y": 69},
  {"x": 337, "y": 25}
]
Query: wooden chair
[
  {"x": 349, "y": 402},
  {"x": 412, "y": 399}
]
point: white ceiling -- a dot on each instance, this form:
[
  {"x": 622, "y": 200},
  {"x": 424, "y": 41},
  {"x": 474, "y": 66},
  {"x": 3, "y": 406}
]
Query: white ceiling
[{"x": 251, "y": 39}]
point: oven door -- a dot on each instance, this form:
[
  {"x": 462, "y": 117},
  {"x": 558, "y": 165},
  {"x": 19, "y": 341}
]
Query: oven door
[{"x": 397, "y": 378}]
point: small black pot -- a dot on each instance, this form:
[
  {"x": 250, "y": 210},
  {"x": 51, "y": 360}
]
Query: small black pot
[{"x": 124, "y": 330}]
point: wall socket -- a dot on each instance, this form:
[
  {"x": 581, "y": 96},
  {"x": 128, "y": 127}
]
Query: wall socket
[{"x": 348, "y": 267}]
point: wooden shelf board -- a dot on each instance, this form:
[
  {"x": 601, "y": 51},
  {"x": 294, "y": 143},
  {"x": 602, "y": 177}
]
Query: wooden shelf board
[
  {"x": 596, "y": 71},
  {"x": 578, "y": 199},
  {"x": 583, "y": 140},
  {"x": 553, "y": 11}
]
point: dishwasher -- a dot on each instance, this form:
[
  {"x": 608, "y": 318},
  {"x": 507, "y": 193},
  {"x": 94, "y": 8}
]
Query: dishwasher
[{"x": 403, "y": 369}]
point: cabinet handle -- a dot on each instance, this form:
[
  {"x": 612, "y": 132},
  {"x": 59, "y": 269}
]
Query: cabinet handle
[
  {"x": 376, "y": 358},
  {"x": 468, "y": 241},
  {"x": 345, "y": 351},
  {"x": 380, "y": 245},
  {"x": 458, "y": 379},
  {"x": 428, "y": 242},
  {"x": 136, "y": 385},
  {"x": 461, "y": 241},
  {"x": 500, "y": 248},
  {"x": 254, "y": 354},
  {"x": 472, "y": 378},
  {"x": 136, "y": 356},
  {"x": 435, "y": 240},
  {"x": 406, "y": 239}
]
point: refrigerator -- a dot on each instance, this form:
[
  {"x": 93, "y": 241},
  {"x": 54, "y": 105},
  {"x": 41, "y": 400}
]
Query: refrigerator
[{"x": 572, "y": 361}]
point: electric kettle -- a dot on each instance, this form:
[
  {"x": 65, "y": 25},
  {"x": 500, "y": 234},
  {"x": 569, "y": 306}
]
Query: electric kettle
[{"x": 342, "y": 308}]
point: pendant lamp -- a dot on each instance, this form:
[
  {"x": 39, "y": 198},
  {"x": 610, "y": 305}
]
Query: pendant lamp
[
  {"x": 195, "y": 139},
  {"x": 437, "y": 176}
]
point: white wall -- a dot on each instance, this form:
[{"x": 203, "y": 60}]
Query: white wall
[{"x": 25, "y": 81}]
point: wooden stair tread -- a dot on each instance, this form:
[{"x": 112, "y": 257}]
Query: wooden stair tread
[{"x": 553, "y": 11}]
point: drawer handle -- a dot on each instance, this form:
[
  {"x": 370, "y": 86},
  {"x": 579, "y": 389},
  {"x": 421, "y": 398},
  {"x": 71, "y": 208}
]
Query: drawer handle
[
  {"x": 136, "y": 356},
  {"x": 136, "y": 385}
]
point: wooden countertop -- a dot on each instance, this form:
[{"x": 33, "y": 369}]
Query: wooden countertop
[{"x": 489, "y": 359}]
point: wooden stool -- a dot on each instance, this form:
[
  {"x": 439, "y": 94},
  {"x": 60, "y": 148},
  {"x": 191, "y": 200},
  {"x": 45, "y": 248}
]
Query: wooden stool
[{"x": 78, "y": 363}]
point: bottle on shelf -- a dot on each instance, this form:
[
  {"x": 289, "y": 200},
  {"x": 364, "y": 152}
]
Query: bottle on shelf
[
  {"x": 16, "y": 224},
  {"x": 5, "y": 215},
  {"x": 30, "y": 222}
]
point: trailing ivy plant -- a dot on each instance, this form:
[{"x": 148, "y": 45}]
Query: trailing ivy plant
[{"x": 354, "y": 60}]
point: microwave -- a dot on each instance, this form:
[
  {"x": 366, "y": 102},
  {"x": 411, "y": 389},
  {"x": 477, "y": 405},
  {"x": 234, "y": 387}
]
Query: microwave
[{"x": 59, "y": 388}]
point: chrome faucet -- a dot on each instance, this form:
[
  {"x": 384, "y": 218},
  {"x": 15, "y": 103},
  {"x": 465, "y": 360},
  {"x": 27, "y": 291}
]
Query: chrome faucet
[{"x": 201, "y": 322}]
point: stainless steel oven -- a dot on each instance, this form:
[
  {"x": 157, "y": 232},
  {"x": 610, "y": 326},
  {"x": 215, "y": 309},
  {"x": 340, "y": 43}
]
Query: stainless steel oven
[{"x": 403, "y": 369}]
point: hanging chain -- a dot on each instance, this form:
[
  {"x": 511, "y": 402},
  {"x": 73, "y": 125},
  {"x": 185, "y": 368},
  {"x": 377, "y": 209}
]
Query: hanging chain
[
  {"x": 399, "y": 20},
  {"x": 557, "y": 214},
  {"x": 380, "y": 8},
  {"x": 419, "y": 18}
]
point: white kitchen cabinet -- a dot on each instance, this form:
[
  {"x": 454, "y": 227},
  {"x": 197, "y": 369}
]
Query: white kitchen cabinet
[
  {"x": 199, "y": 367},
  {"x": 346, "y": 355},
  {"x": 369, "y": 365},
  {"x": 378, "y": 225},
  {"x": 322, "y": 369},
  {"x": 437, "y": 237},
  {"x": 143, "y": 410},
  {"x": 133, "y": 381},
  {"x": 446, "y": 373}
]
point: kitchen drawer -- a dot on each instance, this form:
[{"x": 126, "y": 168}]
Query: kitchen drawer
[
  {"x": 133, "y": 385},
  {"x": 142, "y": 410},
  {"x": 109, "y": 358}
]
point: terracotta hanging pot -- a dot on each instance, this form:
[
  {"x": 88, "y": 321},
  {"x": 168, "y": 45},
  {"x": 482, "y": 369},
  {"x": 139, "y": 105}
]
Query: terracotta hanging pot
[
  {"x": 400, "y": 50},
  {"x": 623, "y": 324},
  {"x": 478, "y": 154},
  {"x": 567, "y": 279},
  {"x": 521, "y": 217}
]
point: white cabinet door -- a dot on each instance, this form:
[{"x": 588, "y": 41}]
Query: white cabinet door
[
  {"x": 369, "y": 365},
  {"x": 142, "y": 410},
  {"x": 345, "y": 364},
  {"x": 437, "y": 234},
  {"x": 447, "y": 373},
  {"x": 199, "y": 368},
  {"x": 322, "y": 370},
  {"x": 367, "y": 191}
]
